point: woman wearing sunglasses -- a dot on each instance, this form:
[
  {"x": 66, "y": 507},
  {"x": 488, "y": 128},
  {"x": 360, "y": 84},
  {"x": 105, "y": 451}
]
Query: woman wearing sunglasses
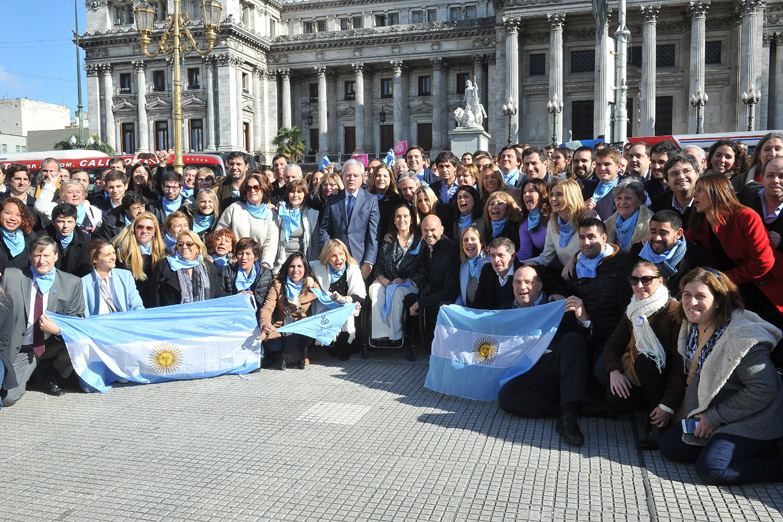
[
  {"x": 185, "y": 276},
  {"x": 645, "y": 370},
  {"x": 139, "y": 248},
  {"x": 252, "y": 217}
]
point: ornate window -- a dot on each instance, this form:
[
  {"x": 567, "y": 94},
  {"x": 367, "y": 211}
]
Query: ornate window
[
  {"x": 537, "y": 64},
  {"x": 664, "y": 56},
  {"x": 712, "y": 52},
  {"x": 582, "y": 61}
]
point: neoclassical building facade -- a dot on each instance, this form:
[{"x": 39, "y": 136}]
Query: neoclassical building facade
[{"x": 360, "y": 75}]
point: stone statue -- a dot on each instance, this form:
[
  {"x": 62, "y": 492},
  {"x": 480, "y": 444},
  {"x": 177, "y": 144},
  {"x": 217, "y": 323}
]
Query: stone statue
[{"x": 473, "y": 114}]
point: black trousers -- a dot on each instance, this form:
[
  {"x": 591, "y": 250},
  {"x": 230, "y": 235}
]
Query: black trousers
[
  {"x": 645, "y": 397},
  {"x": 554, "y": 386}
]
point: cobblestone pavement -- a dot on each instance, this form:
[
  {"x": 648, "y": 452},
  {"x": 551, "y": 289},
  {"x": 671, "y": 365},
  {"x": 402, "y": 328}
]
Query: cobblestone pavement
[{"x": 361, "y": 440}]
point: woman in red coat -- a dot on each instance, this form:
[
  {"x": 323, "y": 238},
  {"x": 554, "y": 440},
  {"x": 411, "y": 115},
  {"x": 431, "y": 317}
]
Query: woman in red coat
[{"x": 735, "y": 236}]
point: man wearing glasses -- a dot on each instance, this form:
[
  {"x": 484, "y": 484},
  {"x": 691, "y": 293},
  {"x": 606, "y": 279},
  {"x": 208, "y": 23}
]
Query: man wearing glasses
[
  {"x": 682, "y": 172},
  {"x": 172, "y": 199}
]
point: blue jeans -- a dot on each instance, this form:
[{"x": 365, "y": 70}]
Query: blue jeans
[{"x": 726, "y": 459}]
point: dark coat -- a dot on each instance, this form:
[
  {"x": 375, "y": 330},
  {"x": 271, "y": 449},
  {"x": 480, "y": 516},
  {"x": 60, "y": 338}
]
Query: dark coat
[
  {"x": 664, "y": 202},
  {"x": 750, "y": 197},
  {"x": 360, "y": 232},
  {"x": 225, "y": 194},
  {"x": 442, "y": 274},
  {"x": 490, "y": 295},
  {"x": 20, "y": 261},
  {"x": 260, "y": 286},
  {"x": 113, "y": 223},
  {"x": 74, "y": 259},
  {"x": 510, "y": 230},
  {"x": 165, "y": 290},
  {"x": 393, "y": 264}
]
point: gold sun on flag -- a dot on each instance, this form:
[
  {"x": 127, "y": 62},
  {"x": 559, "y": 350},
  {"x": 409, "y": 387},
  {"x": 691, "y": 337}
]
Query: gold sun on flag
[
  {"x": 485, "y": 350},
  {"x": 165, "y": 358}
]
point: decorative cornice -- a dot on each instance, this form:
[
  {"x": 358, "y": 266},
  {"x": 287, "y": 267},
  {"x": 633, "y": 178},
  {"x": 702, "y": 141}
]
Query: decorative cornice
[
  {"x": 437, "y": 64},
  {"x": 717, "y": 24},
  {"x": 525, "y": 3},
  {"x": 537, "y": 37},
  {"x": 672, "y": 27},
  {"x": 583, "y": 33},
  {"x": 753, "y": 6},
  {"x": 650, "y": 13}
]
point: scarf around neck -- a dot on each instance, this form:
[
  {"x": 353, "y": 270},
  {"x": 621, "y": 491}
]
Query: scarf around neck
[
  {"x": 334, "y": 275},
  {"x": 533, "y": 219},
  {"x": 202, "y": 222},
  {"x": 624, "y": 228},
  {"x": 587, "y": 267},
  {"x": 244, "y": 281},
  {"x": 65, "y": 240},
  {"x": 566, "y": 231},
  {"x": 291, "y": 219},
  {"x": 177, "y": 262},
  {"x": 292, "y": 290},
  {"x": 14, "y": 241},
  {"x": 171, "y": 206},
  {"x": 44, "y": 281},
  {"x": 602, "y": 189},
  {"x": 477, "y": 263},
  {"x": 258, "y": 211},
  {"x": 638, "y": 311},
  {"x": 668, "y": 261},
  {"x": 497, "y": 227}
]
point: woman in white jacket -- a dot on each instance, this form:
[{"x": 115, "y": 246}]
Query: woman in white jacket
[
  {"x": 339, "y": 275},
  {"x": 71, "y": 191}
]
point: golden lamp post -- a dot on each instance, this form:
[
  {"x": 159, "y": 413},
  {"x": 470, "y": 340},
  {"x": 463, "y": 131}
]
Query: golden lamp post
[{"x": 176, "y": 42}]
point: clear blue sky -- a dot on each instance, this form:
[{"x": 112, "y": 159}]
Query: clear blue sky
[{"x": 37, "y": 53}]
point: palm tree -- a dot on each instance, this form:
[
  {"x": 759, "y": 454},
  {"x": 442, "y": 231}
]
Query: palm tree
[
  {"x": 290, "y": 142},
  {"x": 96, "y": 144}
]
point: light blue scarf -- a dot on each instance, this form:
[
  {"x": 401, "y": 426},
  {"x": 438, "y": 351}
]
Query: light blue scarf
[
  {"x": 602, "y": 189},
  {"x": 177, "y": 262},
  {"x": 497, "y": 227},
  {"x": 533, "y": 219},
  {"x": 668, "y": 261},
  {"x": 171, "y": 206},
  {"x": 202, "y": 222},
  {"x": 325, "y": 298},
  {"x": 464, "y": 222},
  {"x": 44, "y": 281},
  {"x": 511, "y": 178},
  {"x": 65, "y": 240},
  {"x": 476, "y": 264},
  {"x": 259, "y": 212},
  {"x": 624, "y": 229},
  {"x": 380, "y": 196},
  {"x": 291, "y": 218},
  {"x": 220, "y": 261},
  {"x": 146, "y": 249},
  {"x": 387, "y": 304},
  {"x": 244, "y": 281},
  {"x": 170, "y": 241},
  {"x": 81, "y": 212},
  {"x": 292, "y": 290},
  {"x": 334, "y": 275},
  {"x": 128, "y": 221},
  {"x": 587, "y": 267},
  {"x": 14, "y": 241},
  {"x": 186, "y": 192},
  {"x": 566, "y": 231}
]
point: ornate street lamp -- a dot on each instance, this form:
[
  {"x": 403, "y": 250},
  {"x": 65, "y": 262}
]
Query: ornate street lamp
[
  {"x": 181, "y": 44},
  {"x": 509, "y": 110},
  {"x": 699, "y": 100},
  {"x": 554, "y": 107},
  {"x": 382, "y": 115},
  {"x": 751, "y": 98}
]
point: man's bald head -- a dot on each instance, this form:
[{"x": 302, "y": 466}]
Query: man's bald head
[{"x": 431, "y": 229}]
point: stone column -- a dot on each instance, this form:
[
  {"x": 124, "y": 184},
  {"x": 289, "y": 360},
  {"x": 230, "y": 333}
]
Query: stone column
[
  {"x": 437, "y": 110},
  {"x": 141, "y": 107},
  {"x": 648, "y": 91},
  {"x": 258, "y": 100},
  {"x": 698, "y": 12},
  {"x": 512, "y": 26},
  {"x": 369, "y": 120},
  {"x": 335, "y": 132},
  {"x": 778, "y": 82},
  {"x": 556, "y": 22},
  {"x": 323, "y": 123},
  {"x": 209, "y": 62},
  {"x": 239, "y": 122},
  {"x": 398, "y": 130},
  {"x": 478, "y": 79},
  {"x": 444, "y": 109},
  {"x": 185, "y": 134},
  {"x": 226, "y": 108},
  {"x": 358, "y": 70},
  {"x": 602, "y": 83},
  {"x": 285, "y": 75},
  {"x": 109, "y": 132},
  {"x": 376, "y": 87},
  {"x": 750, "y": 62},
  {"x": 270, "y": 111},
  {"x": 93, "y": 98}
]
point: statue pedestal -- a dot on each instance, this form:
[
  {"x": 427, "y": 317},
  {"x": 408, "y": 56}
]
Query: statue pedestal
[{"x": 468, "y": 139}]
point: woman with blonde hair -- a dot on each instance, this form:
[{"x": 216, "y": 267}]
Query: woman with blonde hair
[
  {"x": 139, "y": 248},
  {"x": 185, "y": 276},
  {"x": 491, "y": 180},
  {"x": 339, "y": 274},
  {"x": 205, "y": 179},
  {"x": 562, "y": 238},
  {"x": 502, "y": 217},
  {"x": 425, "y": 202}
]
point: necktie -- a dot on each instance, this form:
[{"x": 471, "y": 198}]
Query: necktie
[
  {"x": 38, "y": 336},
  {"x": 351, "y": 203}
]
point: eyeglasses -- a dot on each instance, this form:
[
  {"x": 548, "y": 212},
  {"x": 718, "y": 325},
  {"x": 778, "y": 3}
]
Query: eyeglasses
[
  {"x": 170, "y": 187},
  {"x": 645, "y": 280},
  {"x": 254, "y": 188},
  {"x": 188, "y": 244},
  {"x": 147, "y": 228}
]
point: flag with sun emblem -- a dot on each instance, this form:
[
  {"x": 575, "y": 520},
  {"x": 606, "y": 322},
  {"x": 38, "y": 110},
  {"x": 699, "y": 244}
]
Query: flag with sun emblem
[
  {"x": 188, "y": 341},
  {"x": 475, "y": 352}
]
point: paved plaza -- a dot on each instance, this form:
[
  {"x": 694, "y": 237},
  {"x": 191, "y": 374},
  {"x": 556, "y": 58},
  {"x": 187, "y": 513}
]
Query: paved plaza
[{"x": 360, "y": 440}]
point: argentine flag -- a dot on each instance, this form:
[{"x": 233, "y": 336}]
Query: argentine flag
[
  {"x": 322, "y": 327},
  {"x": 475, "y": 352},
  {"x": 188, "y": 341}
]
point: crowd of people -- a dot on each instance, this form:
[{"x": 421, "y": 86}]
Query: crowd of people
[{"x": 669, "y": 263}]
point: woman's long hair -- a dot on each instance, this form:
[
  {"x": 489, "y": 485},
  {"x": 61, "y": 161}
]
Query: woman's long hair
[
  {"x": 128, "y": 251},
  {"x": 283, "y": 274},
  {"x": 722, "y": 201}
]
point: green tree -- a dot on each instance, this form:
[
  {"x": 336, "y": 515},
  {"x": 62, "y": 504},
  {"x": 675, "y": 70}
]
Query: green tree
[
  {"x": 97, "y": 144},
  {"x": 290, "y": 142}
]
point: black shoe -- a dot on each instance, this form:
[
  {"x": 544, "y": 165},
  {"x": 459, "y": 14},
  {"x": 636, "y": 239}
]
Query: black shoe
[
  {"x": 410, "y": 353},
  {"x": 568, "y": 429},
  {"x": 650, "y": 441},
  {"x": 52, "y": 388},
  {"x": 593, "y": 408}
]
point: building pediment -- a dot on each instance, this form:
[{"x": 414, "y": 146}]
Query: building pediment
[
  {"x": 123, "y": 104},
  {"x": 348, "y": 111},
  {"x": 193, "y": 102},
  {"x": 421, "y": 108},
  {"x": 156, "y": 102}
]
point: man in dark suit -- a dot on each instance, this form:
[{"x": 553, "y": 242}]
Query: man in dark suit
[
  {"x": 228, "y": 190},
  {"x": 352, "y": 217},
  {"x": 441, "y": 261},
  {"x": 597, "y": 192},
  {"x": 682, "y": 173},
  {"x": 72, "y": 243},
  {"x": 34, "y": 345},
  {"x": 446, "y": 186},
  {"x": 495, "y": 291},
  {"x": 415, "y": 160},
  {"x": 114, "y": 186}
]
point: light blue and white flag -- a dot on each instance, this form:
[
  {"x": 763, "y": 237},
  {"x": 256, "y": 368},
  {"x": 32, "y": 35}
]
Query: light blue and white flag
[
  {"x": 322, "y": 327},
  {"x": 389, "y": 159},
  {"x": 475, "y": 352},
  {"x": 188, "y": 341}
]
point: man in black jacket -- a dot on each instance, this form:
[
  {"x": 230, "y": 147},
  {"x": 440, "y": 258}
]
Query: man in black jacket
[
  {"x": 72, "y": 243},
  {"x": 115, "y": 221},
  {"x": 495, "y": 291},
  {"x": 441, "y": 262}
]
